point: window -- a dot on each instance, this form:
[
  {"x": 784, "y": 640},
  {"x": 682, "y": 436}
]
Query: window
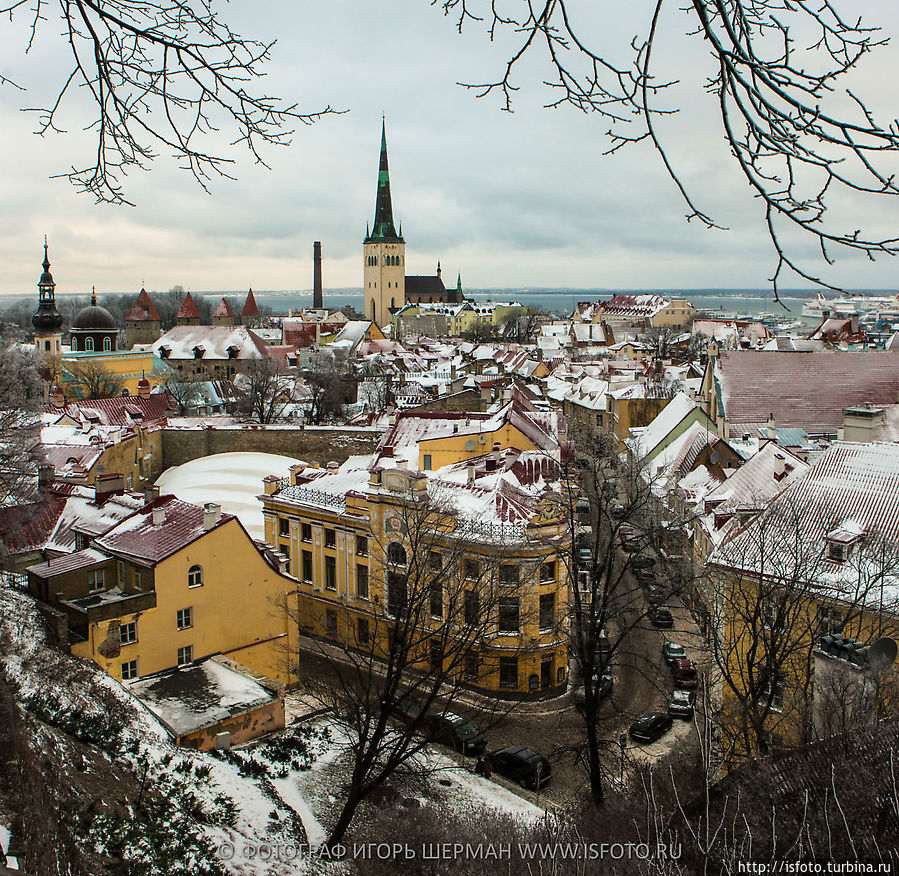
[
  {"x": 508, "y": 614},
  {"x": 435, "y": 655},
  {"x": 283, "y": 526},
  {"x": 396, "y": 593},
  {"x": 830, "y": 620},
  {"x": 81, "y": 541},
  {"x": 508, "y": 672},
  {"x": 121, "y": 573},
  {"x": 775, "y": 692},
  {"x": 472, "y": 569},
  {"x": 547, "y": 611},
  {"x": 471, "y": 664},
  {"x": 330, "y": 538},
  {"x": 185, "y": 618},
  {"x": 426, "y": 462},
  {"x": 95, "y": 580},
  {"x": 331, "y": 621},
  {"x": 361, "y": 546},
  {"x": 331, "y": 573},
  {"x": 472, "y": 608},
  {"x": 435, "y": 561},
  {"x": 185, "y": 655},
  {"x": 362, "y": 582},
  {"x": 396, "y": 554},
  {"x": 436, "y": 599},
  {"x": 306, "y": 531},
  {"x": 128, "y": 633},
  {"x": 194, "y": 576},
  {"x": 307, "y": 566},
  {"x": 129, "y": 670},
  {"x": 107, "y": 345},
  {"x": 138, "y": 579},
  {"x": 89, "y": 345},
  {"x": 836, "y": 551},
  {"x": 508, "y": 575},
  {"x": 548, "y": 572},
  {"x": 362, "y": 634}
]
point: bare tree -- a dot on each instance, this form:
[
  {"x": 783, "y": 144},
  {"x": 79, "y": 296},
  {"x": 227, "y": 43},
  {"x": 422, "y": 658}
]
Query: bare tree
[
  {"x": 436, "y": 589},
  {"x": 95, "y": 379},
  {"x": 266, "y": 388},
  {"x": 185, "y": 394},
  {"x": 20, "y": 452},
  {"x": 780, "y": 75},
  {"x": 331, "y": 384},
  {"x": 615, "y": 518},
  {"x": 160, "y": 77}
]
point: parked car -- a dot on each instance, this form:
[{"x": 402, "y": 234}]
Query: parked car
[
  {"x": 584, "y": 557},
  {"x": 656, "y": 593},
  {"x": 604, "y": 684},
  {"x": 650, "y": 727},
  {"x": 522, "y": 765},
  {"x": 408, "y": 708},
  {"x": 455, "y": 732},
  {"x": 618, "y": 510},
  {"x": 684, "y": 672},
  {"x": 673, "y": 651},
  {"x": 681, "y": 704},
  {"x": 631, "y": 540},
  {"x": 643, "y": 562},
  {"x": 645, "y": 577},
  {"x": 660, "y": 616}
]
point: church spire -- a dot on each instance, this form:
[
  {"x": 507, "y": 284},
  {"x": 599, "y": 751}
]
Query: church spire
[{"x": 383, "y": 230}]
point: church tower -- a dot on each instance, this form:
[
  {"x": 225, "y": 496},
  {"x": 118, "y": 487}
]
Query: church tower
[
  {"x": 47, "y": 320},
  {"x": 384, "y": 253}
]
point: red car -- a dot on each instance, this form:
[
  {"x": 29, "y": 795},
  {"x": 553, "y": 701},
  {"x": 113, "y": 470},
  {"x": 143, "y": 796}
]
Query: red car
[{"x": 684, "y": 672}]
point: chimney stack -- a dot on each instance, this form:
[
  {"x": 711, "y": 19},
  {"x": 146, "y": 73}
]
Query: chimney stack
[
  {"x": 317, "y": 275},
  {"x": 46, "y": 474},
  {"x": 780, "y": 464},
  {"x": 158, "y": 516},
  {"x": 212, "y": 511}
]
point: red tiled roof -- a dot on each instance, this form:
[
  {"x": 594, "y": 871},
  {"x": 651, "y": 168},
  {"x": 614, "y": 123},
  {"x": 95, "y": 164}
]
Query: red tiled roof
[
  {"x": 139, "y": 539},
  {"x": 808, "y": 390},
  {"x": 303, "y": 335},
  {"x": 249, "y": 307},
  {"x": 118, "y": 411},
  {"x": 68, "y": 563},
  {"x": 27, "y": 527},
  {"x": 188, "y": 309},
  {"x": 223, "y": 309},
  {"x": 143, "y": 309}
]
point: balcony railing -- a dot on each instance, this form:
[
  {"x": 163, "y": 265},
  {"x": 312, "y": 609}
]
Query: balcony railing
[
  {"x": 478, "y": 530},
  {"x": 311, "y": 496}
]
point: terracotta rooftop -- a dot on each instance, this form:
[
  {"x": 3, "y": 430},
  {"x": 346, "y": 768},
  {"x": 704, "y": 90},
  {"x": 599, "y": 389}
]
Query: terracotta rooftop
[
  {"x": 249, "y": 307},
  {"x": 808, "y": 390},
  {"x": 143, "y": 309},
  {"x": 120, "y": 411},
  {"x": 223, "y": 309},
  {"x": 188, "y": 309}
]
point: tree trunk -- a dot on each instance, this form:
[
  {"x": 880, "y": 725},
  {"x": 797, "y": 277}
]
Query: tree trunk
[
  {"x": 596, "y": 789},
  {"x": 354, "y": 797}
]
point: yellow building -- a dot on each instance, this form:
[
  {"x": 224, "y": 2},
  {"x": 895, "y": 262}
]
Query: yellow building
[
  {"x": 820, "y": 559},
  {"x": 169, "y": 585},
  {"x": 432, "y": 523},
  {"x": 117, "y": 372}
]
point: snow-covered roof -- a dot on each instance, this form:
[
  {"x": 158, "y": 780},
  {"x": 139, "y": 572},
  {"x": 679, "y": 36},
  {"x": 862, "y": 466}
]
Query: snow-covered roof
[
  {"x": 213, "y": 341},
  {"x": 660, "y": 428}
]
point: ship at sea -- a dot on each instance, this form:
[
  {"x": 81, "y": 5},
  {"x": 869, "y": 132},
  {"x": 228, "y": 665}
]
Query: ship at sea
[{"x": 849, "y": 305}]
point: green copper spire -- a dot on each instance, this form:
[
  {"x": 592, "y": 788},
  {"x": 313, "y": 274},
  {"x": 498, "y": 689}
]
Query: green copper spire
[
  {"x": 383, "y": 230},
  {"x": 458, "y": 282}
]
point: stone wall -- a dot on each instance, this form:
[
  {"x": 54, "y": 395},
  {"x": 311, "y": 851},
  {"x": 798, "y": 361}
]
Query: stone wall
[{"x": 313, "y": 443}]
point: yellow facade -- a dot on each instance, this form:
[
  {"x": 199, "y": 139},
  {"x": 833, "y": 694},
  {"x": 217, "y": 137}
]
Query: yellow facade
[
  {"x": 328, "y": 546},
  {"x": 239, "y": 609},
  {"x": 127, "y": 367}
]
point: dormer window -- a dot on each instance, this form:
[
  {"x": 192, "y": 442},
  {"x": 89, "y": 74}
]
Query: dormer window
[
  {"x": 233, "y": 350},
  {"x": 165, "y": 351},
  {"x": 198, "y": 352},
  {"x": 841, "y": 540}
]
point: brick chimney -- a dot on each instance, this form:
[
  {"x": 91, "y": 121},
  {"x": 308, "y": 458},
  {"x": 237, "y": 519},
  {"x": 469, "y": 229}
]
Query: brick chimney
[
  {"x": 317, "y": 296},
  {"x": 212, "y": 513}
]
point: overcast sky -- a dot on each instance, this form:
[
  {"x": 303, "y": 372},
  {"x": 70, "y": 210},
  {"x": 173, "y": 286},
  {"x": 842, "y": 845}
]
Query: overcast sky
[{"x": 508, "y": 200}]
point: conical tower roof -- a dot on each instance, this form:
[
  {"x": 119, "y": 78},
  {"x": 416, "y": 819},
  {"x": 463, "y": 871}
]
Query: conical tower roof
[
  {"x": 143, "y": 309},
  {"x": 383, "y": 230},
  {"x": 188, "y": 309},
  {"x": 223, "y": 310},
  {"x": 249, "y": 307}
]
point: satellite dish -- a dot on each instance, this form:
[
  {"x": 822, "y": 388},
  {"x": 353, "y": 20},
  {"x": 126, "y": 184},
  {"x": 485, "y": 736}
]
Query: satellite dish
[
  {"x": 714, "y": 457},
  {"x": 882, "y": 654}
]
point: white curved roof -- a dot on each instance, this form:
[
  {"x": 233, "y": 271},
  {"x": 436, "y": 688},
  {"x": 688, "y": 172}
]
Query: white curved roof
[{"x": 233, "y": 480}]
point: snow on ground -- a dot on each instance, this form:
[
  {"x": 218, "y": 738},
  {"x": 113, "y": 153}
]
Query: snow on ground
[{"x": 233, "y": 480}]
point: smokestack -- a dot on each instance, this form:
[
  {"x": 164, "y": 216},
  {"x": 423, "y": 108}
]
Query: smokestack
[
  {"x": 317, "y": 275},
  {"x": 212, "y": 513}
]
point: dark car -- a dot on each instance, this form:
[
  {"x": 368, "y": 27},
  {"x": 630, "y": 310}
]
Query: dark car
[
  {"x": 642, "y": 563},
  {"x": 649, "y": 727},
  {"x": 673, "y": 651},
  {"x": 660, "y": 616},
  {"x": 522, "y": 765},
  {"x": 645, "y": 577},
  {"x": 684, "y": 672},
  {"x": 631, "y": 540},
  {"x": 681, "y": 704},
  {"x": 604, "y": 686},
  {"x": 408, "y": 708},
  {"x": 455, "y": 732}
]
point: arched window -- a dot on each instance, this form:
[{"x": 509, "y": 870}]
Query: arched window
[
  {"x": 89, "y": 345},
  {"x": 46, "y": 345},
  {"x": 107, "y": 345},
  {"x": 396, "y": 553},
  {"x": 195, "y": 576},
  {"x": 74, "y": 345}
]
